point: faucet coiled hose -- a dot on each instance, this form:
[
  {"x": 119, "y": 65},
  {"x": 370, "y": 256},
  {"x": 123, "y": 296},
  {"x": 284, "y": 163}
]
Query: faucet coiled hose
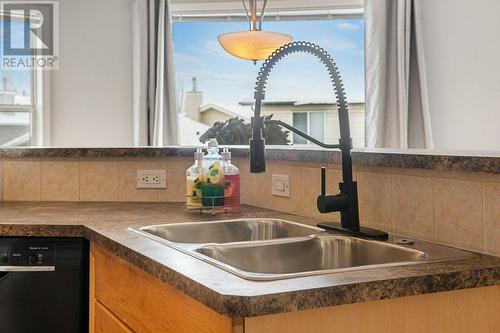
[{"x": 307, "y": 47}]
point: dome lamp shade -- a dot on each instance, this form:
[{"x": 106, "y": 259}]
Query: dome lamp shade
[{"x": 254, "y": 44}]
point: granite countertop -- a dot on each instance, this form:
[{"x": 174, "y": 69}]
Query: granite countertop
[
  {"x": 107, "y": 224},
  {"x": 472, "y": 161}
]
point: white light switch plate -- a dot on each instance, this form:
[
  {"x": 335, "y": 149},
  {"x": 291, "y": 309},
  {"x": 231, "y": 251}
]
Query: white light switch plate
[
  {"x": 281, "y": 185},
  {"x": 151, "y": 178}
]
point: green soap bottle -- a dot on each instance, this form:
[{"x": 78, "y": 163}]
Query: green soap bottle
[
  {"x": 213, "y": 188},
  {"x": 213, "y": 195}
]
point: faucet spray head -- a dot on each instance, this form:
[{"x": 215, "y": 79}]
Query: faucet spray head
[
  {"x": 257, "y": 155},
  {"x": 257, "y": 147}
]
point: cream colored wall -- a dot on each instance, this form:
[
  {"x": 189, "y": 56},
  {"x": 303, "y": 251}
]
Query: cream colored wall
[
  {"x": 457, "y": 208},
  {"x": 462, "y": 76},
  {"x": 91, "y": 93}
]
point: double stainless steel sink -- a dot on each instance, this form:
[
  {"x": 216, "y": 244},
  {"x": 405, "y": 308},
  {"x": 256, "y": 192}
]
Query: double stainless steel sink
[
  {"x": 272, "y": 249},
  {"x": 229, "y": 231}
]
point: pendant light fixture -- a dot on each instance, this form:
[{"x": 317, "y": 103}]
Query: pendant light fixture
[{"x": 254, "y": 44}]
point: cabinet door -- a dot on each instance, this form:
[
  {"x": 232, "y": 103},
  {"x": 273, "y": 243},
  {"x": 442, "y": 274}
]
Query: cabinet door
[
  {"x": 146, "y": 304},
  {"x": 105, "y": 322}
]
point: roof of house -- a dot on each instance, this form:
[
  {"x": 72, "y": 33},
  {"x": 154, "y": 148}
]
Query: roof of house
[
  {"x": 242, "y": 111},
  {"x": 191, "y": 130},
  {"x": 295, "y": 103}
]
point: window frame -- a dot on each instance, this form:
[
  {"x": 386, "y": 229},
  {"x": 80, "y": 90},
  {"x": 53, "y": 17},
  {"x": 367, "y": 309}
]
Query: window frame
[
  {"x": 38, "y": 93},
  {"x": 197, "y": 10},
  {"x": 308, "y": 132},
  {"x": 272, "y": 16},
  {"x": 219, "y": 12}
]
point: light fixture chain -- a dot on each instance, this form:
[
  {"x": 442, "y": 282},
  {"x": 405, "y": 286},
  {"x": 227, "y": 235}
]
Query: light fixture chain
[
  {"x": 247, "y": 14},
  {"x": 262, "y": 14}
]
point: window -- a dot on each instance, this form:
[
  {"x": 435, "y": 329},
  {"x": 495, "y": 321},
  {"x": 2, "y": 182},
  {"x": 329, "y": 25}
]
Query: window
[
  {"x": 215, "y": 86},
  {"x": 300, "y": 122},
  {"x": 16, "y": 99},
  {"x": 311, "y": 123}
]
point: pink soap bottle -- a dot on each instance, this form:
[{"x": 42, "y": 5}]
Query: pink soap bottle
[{"x": 231, "y": 181}]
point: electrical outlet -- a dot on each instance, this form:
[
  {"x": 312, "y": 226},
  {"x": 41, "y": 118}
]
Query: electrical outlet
[
  {"x": 151, "y": 179},
  {"x": 281, "y": 185}
]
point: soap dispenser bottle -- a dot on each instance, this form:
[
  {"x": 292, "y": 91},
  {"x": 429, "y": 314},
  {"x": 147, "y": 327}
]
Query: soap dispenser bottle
[
  {"x": 194, "y": 181},
  {"x": 231, "y": 181},
  {"x": 213, "y": 185}
]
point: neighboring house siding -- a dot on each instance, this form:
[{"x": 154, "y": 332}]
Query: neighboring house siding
[
  {"x": 209, "y": 117},
  {"x": 285, "y": 114},
  {"x": 357, "y": 120},
  {"x": 332, "y": 130}
]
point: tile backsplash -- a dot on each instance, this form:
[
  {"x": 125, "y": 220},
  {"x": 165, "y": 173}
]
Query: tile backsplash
[
  {"x": 456, "y": 208},
  {"x": 89, "y": 180}
]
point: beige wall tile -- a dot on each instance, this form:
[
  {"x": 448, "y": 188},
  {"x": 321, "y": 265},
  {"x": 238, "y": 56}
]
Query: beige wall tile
[
  {"x": 98, "y": 181},
  {"x": 370, "y": 169},
  {"x": 256, "y": 188},
  {"x": 413, "y": 172},
  {"x": 458, "y": 175},
  {"x": 21, "y": 180},
  {"x": 59, "y": 180},
  {"x": 310, "y": 186},
  {"x": 176, "y": 180},
  {"x": 262, "y": 191},
  {"x": 456, "y": 207},
  {"x": 375, "y": 200},
  {"x": 413, "y": 205},
  {"x": 458, "y": 213},
  {"x": 490, "y": 177},
  {"x": 127, "y": 180},
  {"x": 492, "y": 217},
  {"x": 251, "y": 189},
  {"x": 248, "y": 182}
]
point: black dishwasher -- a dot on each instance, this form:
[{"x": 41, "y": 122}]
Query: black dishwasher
[{"x": 43, "y": 285}]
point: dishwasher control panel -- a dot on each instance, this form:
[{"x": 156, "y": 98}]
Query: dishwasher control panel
[{"x": 26, "y": 252}]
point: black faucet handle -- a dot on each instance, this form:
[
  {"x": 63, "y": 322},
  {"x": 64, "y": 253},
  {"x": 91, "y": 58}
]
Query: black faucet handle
[{"x": 323, "y": 181}]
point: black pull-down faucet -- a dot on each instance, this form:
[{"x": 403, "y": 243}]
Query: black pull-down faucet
[{"x": 346, "y": 201}]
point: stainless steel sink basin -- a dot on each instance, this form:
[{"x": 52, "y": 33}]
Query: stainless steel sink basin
[
  {"x": 273, "y": 249},
  {"x": 228, "y": 231},
  {"x": 313, "y": 254},
  {"x": 320, "y": 254}
]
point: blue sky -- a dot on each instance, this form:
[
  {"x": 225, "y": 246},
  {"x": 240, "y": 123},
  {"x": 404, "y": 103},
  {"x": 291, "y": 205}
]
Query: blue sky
[{"x": 227, "y": 80}]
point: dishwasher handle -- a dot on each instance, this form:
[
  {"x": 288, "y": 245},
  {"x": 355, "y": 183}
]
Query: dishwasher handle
[{"x": 27, "y": 268}]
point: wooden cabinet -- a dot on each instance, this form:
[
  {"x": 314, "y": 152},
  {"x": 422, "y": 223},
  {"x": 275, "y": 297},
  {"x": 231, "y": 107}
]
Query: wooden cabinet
[
  {"x": 463, "y": 311},
  {"x": 125, "y": 299},
  {"x": 106, "y": 322}
]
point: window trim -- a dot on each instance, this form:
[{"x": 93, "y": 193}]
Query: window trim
[
  {"x": 39, "y": 129},
  {"x": 284, "y": 11},
  {"x": 297, "y": 14},
  {"x": 270, "y": 16},
  {"x": 186, "y": 8},
  {"x": 15, "y": 108}
]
